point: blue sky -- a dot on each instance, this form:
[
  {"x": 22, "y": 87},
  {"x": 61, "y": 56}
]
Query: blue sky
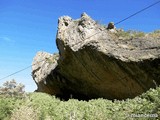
[{"x": 29, "y": 26}]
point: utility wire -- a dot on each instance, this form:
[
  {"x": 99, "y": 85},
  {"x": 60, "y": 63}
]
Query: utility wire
[
  {"x": 127, "y": 17},
  {"x": 23, "y": 69},
  {"x": 138, "y": 12},
  {"x": 88, "y": 37},
  {"x": 16, "y": 72}
]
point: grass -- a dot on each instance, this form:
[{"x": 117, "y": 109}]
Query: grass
[
  {"x": 155, "y": 34},
  {"x": 132, "y": 34},
  {"x": 41, "y": 106}
]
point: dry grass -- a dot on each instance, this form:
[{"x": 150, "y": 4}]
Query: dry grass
[
  {"x": 131, "y": 34},
  {"x": 155, "y": 34}
]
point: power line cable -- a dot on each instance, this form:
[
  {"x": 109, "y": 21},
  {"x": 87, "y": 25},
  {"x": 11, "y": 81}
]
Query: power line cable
[
  {"x": 23, "y": 69},
  {"x": 138, "y": 12},
  {"x": 16, "y": 72},
  {"x": 88, "y": 37},
  {"x": 127, "y": 17}
]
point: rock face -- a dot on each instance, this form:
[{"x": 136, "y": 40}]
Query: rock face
[
  {"x": 94, "y": 62},
  {"x": 42, "y": 66}
]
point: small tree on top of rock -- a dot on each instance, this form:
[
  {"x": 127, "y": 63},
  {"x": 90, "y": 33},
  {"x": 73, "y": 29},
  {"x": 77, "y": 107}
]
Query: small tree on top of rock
[{"x": 12, "y": 89}]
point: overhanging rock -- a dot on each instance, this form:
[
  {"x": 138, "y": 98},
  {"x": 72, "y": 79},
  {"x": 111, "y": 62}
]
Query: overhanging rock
[{"x": 94, "y": 62}]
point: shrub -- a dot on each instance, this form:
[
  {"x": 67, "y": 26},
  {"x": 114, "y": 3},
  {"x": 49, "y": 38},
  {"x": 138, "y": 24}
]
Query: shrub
[
  {"x": 10, "y": 98},
  {"x": 12, "y": 89},
  {"x": 41, "y": 106},
  {"x": 45, "y": 103},
  {"x": 97, "y": 109},
  {"x": 25, "y": 112},
  {"x": 7, "y": 105}
]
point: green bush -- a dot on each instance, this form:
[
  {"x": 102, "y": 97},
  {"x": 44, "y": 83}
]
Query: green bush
[
  {"x": 7, "y": 105},
  {"x": 42, "y": 106},
  {"x": 25, "y": 112},
  {"x": 97, "y": 109},
  {"x": 44, "y": 102}
]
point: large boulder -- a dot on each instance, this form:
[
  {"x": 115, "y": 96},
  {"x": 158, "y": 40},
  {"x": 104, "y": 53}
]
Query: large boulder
[{"x": 95, "y": 62}]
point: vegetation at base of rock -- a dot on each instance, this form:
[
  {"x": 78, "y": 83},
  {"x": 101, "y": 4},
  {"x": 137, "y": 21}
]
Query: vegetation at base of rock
[{"x": 41, "y": 106}]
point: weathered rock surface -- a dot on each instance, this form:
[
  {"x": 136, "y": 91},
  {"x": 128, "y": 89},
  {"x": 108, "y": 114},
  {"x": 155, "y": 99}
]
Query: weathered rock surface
[
  {"x": 43, "y": 64},
  {"x": 94, "y": 62}
]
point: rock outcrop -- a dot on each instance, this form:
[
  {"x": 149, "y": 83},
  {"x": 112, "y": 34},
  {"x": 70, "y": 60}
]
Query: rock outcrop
[{"x": 95, "y": 62}]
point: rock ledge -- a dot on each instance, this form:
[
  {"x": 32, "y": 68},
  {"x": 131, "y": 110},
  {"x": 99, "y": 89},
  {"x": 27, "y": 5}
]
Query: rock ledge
[{"x": 93, "y": 62}]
